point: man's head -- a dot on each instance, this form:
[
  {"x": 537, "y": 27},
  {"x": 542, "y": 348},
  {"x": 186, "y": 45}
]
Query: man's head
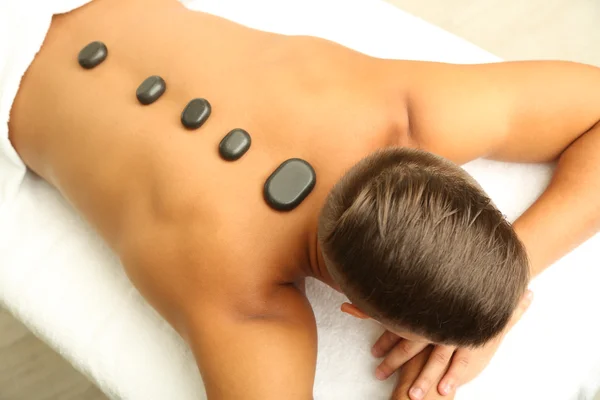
[{"x": 415, "y": 243}]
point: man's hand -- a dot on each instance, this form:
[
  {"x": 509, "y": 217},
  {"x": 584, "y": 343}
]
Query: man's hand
[
  {"x": 444, "y": 368},
  {"x": 410, "y": 373}
]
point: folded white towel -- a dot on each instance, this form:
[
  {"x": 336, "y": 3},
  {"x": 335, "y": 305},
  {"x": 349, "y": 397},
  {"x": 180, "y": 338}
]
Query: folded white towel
[{"x": 57, "y": 276}]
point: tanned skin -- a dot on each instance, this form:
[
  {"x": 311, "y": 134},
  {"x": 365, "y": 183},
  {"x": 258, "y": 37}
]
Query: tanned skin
[{"x": 194, "y": 232}]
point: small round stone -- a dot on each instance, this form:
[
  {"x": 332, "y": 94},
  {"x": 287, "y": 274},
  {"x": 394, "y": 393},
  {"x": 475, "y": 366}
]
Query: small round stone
[
  {"x": 151, "y": 89},
  {"x": 290, "y": 184},
  {"x": 92, "y": 55},
  {"x": 235, "y": 144},
  {"x": 195, "y": 113}
]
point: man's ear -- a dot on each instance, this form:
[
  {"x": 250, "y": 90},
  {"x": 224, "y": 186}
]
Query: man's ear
[{"x": 354, "y": 311}]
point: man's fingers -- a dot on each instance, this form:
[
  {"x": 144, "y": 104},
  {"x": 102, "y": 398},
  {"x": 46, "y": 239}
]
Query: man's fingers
[
  {"x": 409, "y": 374},
  {"x": 432, "y": 372},
  {"x": 384, "y": 344},
  {"x": 401, "y": 353},
  {"x": 443, "y": 361},
  {"x": 455, "y": 374}
]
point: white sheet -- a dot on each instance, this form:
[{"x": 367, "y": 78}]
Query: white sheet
[{"x": 58, "y": 277}]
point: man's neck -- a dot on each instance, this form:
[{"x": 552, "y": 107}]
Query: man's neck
[{"x": 317, "y": 267}]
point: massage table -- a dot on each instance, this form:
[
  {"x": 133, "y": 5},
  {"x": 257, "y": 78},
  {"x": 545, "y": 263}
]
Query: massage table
[{"x": 61, "y": 280}]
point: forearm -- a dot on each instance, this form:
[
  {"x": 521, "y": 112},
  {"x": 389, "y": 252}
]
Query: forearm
[{"x": 568, "y": 212}]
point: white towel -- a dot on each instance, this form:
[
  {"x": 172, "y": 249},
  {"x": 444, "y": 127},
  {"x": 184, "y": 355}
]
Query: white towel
[{"x": 58, "y": 277}]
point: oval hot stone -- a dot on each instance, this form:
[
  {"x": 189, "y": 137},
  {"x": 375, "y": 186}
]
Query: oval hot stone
[
  {"x": 195, "y": 113},
  {"x": 92, "y": 55},
  {"x": 235, "y": 144},
  {"x": 151, "y": 89},
  {"x": 290, "y": 184}
]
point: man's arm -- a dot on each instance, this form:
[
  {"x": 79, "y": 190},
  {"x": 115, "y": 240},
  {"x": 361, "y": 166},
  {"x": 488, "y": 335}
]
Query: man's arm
[
  {"x": 256, "y": 357},
  {"x": 521, "y": 112}
]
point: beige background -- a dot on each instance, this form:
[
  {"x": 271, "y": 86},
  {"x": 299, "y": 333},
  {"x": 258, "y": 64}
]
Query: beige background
[{"x": 511, "y": 29}]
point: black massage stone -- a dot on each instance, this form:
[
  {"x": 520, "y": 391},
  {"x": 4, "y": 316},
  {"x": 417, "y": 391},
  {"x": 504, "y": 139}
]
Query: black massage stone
[
  {"x": 195, "y": 113},
  {"x": 151, "y": 89},
  {"x": 235, "y": 144},
  {"x": 289, "y": 185},
  {"x": 92, "y": 55}
]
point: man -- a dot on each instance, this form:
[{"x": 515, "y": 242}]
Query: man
[{"x": 404, "y": 233}]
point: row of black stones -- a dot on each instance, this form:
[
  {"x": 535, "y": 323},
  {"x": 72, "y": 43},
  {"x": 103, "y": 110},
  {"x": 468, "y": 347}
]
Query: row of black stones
[{"x": 285, "y": 188}]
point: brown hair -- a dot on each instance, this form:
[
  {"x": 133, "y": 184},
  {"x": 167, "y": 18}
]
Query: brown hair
[{"x": 414, "y": 242}]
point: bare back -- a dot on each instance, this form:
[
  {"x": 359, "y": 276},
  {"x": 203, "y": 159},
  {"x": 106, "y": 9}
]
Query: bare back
[{"x": 190, "y": 227}]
